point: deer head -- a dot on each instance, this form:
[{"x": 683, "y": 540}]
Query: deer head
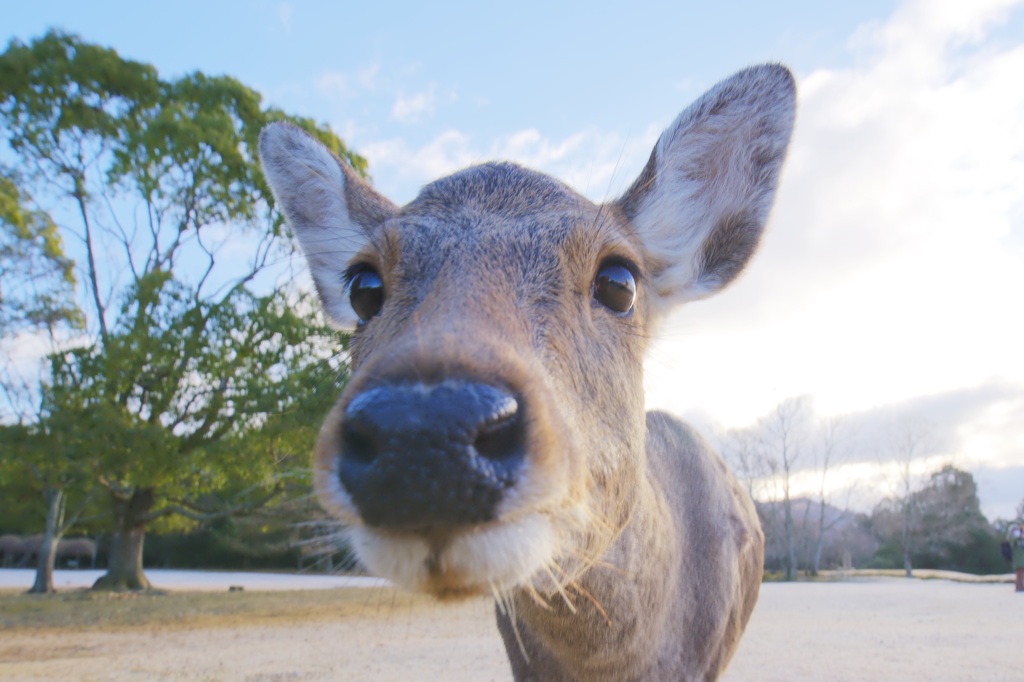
[{"x": 492, "y": 433}]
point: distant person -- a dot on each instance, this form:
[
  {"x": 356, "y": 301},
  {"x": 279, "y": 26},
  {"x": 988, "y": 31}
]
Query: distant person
[{"x": 1016, "y": 539}]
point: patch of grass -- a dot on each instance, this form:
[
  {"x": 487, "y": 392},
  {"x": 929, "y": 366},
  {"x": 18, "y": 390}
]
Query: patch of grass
[{"x": 80, "y": 609}]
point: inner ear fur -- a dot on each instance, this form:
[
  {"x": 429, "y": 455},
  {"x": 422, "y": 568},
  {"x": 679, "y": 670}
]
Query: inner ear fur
[
  {"x": 701, "y": 203},
  {"x": 332, "y": 211}
]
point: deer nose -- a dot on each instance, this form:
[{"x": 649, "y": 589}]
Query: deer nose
[{"x": 429, "y": 458}]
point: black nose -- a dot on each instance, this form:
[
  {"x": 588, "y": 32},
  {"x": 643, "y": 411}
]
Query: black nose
[{"x": 428, "y": 458}]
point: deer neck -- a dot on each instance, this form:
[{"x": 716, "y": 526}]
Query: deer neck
[{"x": 605, "y": 624}]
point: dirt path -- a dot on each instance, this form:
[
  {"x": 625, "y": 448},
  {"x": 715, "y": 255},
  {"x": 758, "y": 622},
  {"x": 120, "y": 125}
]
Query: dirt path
[
  {"x": 888, "y": 629},
  {"x": 869, "y": 630}
]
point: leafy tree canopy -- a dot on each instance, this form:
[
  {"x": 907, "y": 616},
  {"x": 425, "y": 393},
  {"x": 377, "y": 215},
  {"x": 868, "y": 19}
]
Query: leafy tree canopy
[
  {"x": 197, "y": 349},
  {"x": 945, "y": 527},
  {"x": 163, "y": 173}
]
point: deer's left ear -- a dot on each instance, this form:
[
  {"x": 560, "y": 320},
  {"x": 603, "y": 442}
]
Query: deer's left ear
[{"x": 700, "y": 205}]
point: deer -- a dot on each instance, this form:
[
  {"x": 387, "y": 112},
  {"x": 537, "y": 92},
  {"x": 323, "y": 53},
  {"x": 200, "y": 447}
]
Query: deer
[{"x": 492, "y": 438}]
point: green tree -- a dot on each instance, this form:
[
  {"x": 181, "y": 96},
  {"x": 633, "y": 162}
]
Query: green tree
[
  {"x": 189, "y": 400},
  {"x": 158, "y": 182},
  {"x": 159, "y": 172},
  {"x": 292, "y": 520},
  {"x": 45, "y": 457},
  {"x": 941, "y": 525}
]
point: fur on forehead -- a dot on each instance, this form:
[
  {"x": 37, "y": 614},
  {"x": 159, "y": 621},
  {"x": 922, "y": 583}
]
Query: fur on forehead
[{"x": 524, "y": 202}]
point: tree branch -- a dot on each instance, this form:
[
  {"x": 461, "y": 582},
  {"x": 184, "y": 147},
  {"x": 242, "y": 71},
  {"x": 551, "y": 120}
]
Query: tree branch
[{"x": 191, "y": 510}]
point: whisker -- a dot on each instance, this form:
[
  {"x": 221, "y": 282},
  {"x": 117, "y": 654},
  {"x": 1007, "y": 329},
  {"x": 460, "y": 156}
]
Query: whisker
[
  {"x": 558, "y": 585},
  {"x": 597, "y": 605},
  {"x": 499, "y": 598},
  {"x": 515, "y": 627},
  {"x": 537, "y": 597}
]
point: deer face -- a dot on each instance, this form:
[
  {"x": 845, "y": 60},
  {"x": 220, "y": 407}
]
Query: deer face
[
  {"x": 463, "y": 429},
  {"x": 493, "y": 427}
]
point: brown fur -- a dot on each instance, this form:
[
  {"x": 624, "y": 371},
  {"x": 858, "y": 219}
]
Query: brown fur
[{"x": 624, "y": 549}]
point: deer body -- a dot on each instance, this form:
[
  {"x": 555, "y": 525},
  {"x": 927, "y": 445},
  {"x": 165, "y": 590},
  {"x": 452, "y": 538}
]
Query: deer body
[{"x": 492, "y": 438}]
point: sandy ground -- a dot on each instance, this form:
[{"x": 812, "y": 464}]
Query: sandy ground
[{"x": 865, "y": 629}]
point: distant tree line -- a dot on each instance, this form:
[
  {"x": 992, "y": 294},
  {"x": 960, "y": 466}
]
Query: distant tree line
[{"x": 931, "y": 520}]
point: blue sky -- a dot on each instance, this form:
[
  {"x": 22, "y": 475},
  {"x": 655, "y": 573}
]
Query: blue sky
[
  {"x": 889, "y": 283},
  {"x": 488, "y": 70}
]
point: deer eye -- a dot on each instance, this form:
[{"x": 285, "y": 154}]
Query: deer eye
[
  {"x": 365, "y": 291},
  {"x": 615, "y": 287}
]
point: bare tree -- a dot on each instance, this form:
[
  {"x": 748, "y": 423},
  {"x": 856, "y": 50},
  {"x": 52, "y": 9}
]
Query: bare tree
[
  {"x": 782, "y": 434},
  {"x": 832, "y": 450},
  {"x": 776, "y": 458},
  {"x": 909, "y": 445},
  {"x": 743, "y": 451},
  {"x": 744, "y": 448}
]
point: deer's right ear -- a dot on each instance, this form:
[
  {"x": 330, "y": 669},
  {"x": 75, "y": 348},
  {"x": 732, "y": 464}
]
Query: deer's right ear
[{"x": 330, "y": 208}]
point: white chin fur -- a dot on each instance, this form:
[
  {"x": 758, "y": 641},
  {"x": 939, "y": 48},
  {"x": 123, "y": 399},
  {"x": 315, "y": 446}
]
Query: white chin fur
[{"x": 495, "y": 557}]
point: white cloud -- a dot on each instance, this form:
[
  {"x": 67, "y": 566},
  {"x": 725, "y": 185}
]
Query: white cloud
[
  {"x": 595, "y": 163},
  {"x": 411, "y": 108},
  {"x": 589, "y": 160},
  {"x": 23, "y": 365},
  {"x": 887, "y": 270},
  {"x": 448, "y": 151},
  {"x": 974, "y": 429},
  {"x": 23, "y": 353},
  {"x": 893, "y": 268}
]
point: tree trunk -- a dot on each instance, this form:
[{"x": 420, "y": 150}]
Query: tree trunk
[
  {"x": 124, "y": 567},
  {"x": 907, "y": 564},
  {"x": 787, "y": 508},
  {"x": 820, "y": 542},
  {"x": 47, "y": 553}
]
